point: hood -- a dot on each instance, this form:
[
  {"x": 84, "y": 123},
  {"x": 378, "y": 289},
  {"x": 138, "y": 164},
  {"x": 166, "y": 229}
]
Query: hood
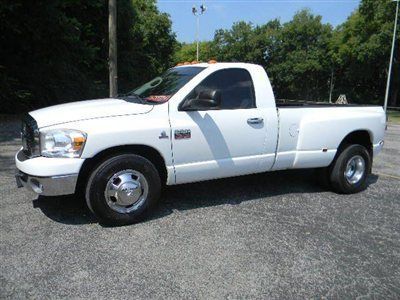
[{"x": 84, "y": 110}]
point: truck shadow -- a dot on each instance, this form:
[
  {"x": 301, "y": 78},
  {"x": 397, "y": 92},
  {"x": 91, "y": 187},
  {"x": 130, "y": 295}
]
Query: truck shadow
[
  {"x": 65, "y": 209},
  {"x": 235, "y": 190},
  {"x": 229, "y": 191}
]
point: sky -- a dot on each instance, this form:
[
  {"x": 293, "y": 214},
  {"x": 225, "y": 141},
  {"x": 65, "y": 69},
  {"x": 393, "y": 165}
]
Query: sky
[{"x": 223, "y": 13}]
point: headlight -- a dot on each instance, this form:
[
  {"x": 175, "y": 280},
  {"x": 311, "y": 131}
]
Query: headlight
[{"x": 62, "y": 143}]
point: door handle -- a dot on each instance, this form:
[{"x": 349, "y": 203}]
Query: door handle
[{"x": 255, "y": 120}]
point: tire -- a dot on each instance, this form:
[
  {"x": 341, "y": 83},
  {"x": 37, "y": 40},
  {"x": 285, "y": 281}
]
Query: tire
[
  {"x": 349, "y": 172},
  {"x": 123, "y": 189}
]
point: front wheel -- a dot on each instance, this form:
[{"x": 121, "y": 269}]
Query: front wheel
[
  {"x": 350, "y": 170},
  {"x": 123, "y": 189}
]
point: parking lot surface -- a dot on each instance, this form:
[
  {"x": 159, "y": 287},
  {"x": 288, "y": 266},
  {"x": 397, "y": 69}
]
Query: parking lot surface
[{"x": 273, "y": 235}]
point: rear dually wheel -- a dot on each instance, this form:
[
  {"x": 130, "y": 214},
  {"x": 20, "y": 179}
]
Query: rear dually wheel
[{"x": 348, "y": 173}]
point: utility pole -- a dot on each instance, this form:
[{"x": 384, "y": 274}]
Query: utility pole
[
  {"x": 112, "y": 47},
  {"x": 391, "y": 57},
  {"x": 197, "y": 14}
]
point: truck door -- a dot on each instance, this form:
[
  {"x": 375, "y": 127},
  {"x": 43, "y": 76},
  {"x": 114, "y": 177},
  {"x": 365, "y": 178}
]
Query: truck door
[{"x": 229, "y": 139}]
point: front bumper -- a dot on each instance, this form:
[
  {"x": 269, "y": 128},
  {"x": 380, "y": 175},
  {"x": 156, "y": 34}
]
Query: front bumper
[
  {"x": 48, "y": 176},
  {"x": 48, "y": 186}
]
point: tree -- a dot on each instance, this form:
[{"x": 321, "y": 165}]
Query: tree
[
  {"x": 56, "y": 51},
  {"x": 146, "y": 42},
  {"x": 294, "y": 54},
  {"x": 301, "y": 66},
  {"x": 46, "y": 52},
  {"x": 187, "y": 52},
  {"x": 245, "y": 42},
  {"x": 235, "y": 44},
  {"x": 361, "y": 49}
]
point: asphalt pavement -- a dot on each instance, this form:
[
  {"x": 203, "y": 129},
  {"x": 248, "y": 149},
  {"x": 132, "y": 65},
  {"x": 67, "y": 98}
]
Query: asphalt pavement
[{"x": 273, "y": 235}]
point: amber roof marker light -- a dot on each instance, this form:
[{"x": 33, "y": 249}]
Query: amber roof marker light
[{"x": 195, "y": 62}]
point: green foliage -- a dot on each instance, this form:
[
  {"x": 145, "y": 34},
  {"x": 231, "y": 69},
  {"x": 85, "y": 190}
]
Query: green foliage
[
  {"x": 246, "y": 43},
  {"x": 235, "y": 44},
  {"x": 187, "y": 52},
  {"x": 56, "y": 51},
  {"x": 361, "y": 48},
  {"x": 300, "y": 67},
  {"x": 394, "y": 116},
  {"x": 294, "y": 54},
  {"x": 146, "y": 48}
]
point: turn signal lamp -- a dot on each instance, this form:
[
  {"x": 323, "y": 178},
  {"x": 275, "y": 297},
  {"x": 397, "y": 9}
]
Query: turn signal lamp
[{"x": 78, "y": 142}]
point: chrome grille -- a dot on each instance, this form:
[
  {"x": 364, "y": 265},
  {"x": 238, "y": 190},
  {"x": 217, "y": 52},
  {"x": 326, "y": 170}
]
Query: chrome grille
[{"x": 30, "y": 136}]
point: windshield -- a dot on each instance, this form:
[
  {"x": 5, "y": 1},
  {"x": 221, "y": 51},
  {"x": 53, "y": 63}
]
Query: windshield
[{"x": 162, "y": 88}]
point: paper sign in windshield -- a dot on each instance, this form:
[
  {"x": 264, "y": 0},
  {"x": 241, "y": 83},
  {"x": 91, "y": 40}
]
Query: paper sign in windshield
[{"x": 158, "y": 98}]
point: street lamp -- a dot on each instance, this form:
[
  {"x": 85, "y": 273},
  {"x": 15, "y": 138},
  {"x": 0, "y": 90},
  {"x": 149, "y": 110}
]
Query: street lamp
[
  {"x": 391, "y": 56},
  {"x": 197, "y": 14}
]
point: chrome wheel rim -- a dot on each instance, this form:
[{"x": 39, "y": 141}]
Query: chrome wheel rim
[
  {"x": 126, "y": 191},
  {"x": 355, "y": 169}
]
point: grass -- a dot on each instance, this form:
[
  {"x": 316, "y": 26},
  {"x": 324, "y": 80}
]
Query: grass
[{"x": 394, "y": 116}]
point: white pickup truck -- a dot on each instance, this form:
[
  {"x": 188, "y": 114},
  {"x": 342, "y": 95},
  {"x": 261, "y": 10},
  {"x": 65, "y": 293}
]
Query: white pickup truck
[{"x": 195, "y": 122}]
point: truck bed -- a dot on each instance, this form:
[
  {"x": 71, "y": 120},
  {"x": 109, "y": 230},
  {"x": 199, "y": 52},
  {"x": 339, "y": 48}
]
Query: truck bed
[
  {"x": 300, "y": 103},
  {"x": 309, "y": 135}
]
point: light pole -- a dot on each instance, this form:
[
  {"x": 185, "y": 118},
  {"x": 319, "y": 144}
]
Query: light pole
[
  {"x": 197, "y": 14},
  {"x": 391, "y": 57},
  {"x": 331, "y": 89}
]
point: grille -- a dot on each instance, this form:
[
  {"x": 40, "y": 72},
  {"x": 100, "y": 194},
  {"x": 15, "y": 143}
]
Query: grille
[{"x": 30, "y": 136}]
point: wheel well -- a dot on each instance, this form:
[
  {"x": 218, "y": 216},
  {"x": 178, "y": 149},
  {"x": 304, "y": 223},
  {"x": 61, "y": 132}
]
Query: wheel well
[
  {"x": 145, "y": 151},
  {"x": 361, "y": 137}
]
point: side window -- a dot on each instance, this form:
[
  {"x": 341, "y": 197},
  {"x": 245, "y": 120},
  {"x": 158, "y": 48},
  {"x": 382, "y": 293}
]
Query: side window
[{"x": 235, "y": 87}]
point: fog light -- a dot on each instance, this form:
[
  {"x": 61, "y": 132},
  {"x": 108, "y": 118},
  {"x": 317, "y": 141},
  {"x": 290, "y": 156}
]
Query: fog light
[{"x": 37, "y": 187}]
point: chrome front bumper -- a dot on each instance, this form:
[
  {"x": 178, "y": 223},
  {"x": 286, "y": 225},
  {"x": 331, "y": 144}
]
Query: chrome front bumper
[{"x": 48, "y": 186}]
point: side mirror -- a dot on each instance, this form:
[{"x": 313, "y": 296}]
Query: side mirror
[{"x": 206, "y": 100}]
